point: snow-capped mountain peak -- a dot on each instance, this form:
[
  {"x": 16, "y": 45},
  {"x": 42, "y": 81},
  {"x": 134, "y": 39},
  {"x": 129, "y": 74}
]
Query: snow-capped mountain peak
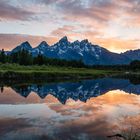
[
  {"x": 23, "y": 46},
  {"x": 63, "y": 39},
  {"x": 85, "y": 41},
  {"x": 83, "y": 50},
  {"x": 40, "y": 49},
  {"x": 43, "y": 44}
]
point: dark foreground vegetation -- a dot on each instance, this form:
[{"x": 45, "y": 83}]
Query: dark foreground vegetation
[
  {"x": 19, "y": 72},
  {"x": 133, "y": 66},
  {"x": 22, "y": 66}
]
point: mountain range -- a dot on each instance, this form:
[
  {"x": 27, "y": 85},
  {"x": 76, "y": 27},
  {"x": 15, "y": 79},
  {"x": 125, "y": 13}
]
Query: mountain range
[{"x": 83, "y": 50}]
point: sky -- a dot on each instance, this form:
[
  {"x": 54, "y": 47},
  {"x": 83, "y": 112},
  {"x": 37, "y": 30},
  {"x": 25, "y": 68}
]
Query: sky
[{"x": 112, "y": 24}]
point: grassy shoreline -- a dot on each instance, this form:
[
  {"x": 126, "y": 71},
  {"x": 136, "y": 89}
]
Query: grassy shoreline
[
  {"x": 14, "y": 71},
  {"x": 13, "y": 74},
  {"x": 35, "y": 72}
]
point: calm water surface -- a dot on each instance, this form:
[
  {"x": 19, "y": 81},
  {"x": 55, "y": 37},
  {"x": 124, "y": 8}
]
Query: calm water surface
[{"x": 85, "y": 110}]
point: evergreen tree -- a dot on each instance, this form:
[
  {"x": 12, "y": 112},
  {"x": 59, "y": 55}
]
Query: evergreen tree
[
  {"x": 25, "y": 58},
  {"x": 22, "y": 57},
  {"x": 14, "y": 57},
  {"x": 39, "y": 60},
  {"x": 2, "y": 56},
  {"x": 135, "y": 64}
]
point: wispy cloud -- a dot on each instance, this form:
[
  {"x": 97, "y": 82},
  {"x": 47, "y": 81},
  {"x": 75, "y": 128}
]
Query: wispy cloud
[
  {"x": 113, "y": 24},
  {"x": 10, "y": 12}
]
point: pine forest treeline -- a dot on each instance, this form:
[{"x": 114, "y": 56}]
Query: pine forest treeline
[{"x": 25, "y": 58}]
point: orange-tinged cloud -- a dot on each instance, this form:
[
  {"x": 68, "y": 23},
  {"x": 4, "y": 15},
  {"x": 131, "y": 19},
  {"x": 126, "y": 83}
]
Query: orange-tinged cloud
[
  {"x": 105, "y": 23},
  {"x": 10, "y": 41},
  {"x": 97, "y": 37}
]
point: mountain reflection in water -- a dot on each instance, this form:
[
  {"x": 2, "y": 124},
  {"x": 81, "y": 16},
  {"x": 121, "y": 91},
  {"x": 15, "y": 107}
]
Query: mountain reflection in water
[
  {"x": 82, "y": 91},
  {"x": 57, "y": 111}
]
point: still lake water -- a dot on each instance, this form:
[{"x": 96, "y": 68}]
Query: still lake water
[{"x": 85, "y": 110}]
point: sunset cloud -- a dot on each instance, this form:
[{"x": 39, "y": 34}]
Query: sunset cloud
[
  {"x": 9, "y": 41},
  {"x": 114, "y": 25},
  {"x": 10, "y": 12}
]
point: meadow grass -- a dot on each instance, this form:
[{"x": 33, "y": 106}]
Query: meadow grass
[{"x": 15, "y": 71}]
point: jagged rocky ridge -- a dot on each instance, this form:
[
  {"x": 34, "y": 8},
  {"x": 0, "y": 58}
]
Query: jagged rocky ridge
[
  {"x": 82, "y": 91},
  {"x": 80, "y": 50}
]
